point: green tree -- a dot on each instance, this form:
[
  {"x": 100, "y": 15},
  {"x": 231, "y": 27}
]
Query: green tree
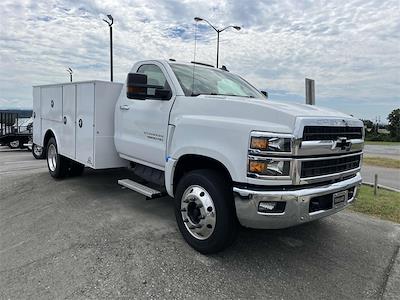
[
  {"x": 368, "y": 123},
  {"x": 394, "y": 124}
]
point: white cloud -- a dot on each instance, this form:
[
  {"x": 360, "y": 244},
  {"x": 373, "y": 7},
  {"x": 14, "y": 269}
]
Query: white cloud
[{"x": 351, "y": 48}]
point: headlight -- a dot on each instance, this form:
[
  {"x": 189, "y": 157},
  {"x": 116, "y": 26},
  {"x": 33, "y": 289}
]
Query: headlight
[
  {"x": 269, "y": 167},
  {"x": 273, "y": 144}
]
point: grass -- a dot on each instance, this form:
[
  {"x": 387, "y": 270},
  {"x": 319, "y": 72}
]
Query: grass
[
  {"x": 386, "y": 205},
  {"x": 382, "y": 162},
  {"x": 382, "y": 143}
]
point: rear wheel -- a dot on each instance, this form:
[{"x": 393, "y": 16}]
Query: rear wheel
[
  {"x": 57, "y": 164},
  {"x": 37, "y": 151},
  {"x": 205, "y": 212}
]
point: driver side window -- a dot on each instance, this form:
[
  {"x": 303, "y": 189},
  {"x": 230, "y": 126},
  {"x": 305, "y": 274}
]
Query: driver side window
[{"x": 154, "y": 77}]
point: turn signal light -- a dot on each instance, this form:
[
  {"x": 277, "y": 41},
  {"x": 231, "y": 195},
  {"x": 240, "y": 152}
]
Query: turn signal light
[{"x": 257, "y": 166}]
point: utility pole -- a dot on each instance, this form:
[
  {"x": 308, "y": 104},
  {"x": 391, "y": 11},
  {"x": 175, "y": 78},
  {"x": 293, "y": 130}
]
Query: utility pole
[
  {"x": 110, "y": 23},
  {"x": 310, "y": 91}
]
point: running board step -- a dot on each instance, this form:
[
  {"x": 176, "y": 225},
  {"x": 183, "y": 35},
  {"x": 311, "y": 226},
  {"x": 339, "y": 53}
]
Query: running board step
[{"x": 140, "y": 188}]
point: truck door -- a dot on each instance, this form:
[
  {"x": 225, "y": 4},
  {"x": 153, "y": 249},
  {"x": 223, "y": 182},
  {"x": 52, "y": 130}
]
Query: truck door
[
  {"x": 67, "y": 143},
  {"x": 143, "y": 124},
  {"x": 37, "y": 118},
  {"x": 85, "y": 123}
]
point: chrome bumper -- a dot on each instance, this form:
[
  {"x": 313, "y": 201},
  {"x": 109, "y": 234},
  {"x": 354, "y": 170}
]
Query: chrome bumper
[{"x": 297, "y": 204}]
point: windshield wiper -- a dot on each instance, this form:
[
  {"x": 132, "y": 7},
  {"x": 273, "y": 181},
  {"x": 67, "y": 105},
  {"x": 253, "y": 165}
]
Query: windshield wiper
[
  {"x": 233, "y": 95},
  {"x": 216, "y": 94},
  {"x": 198, "y": 94}
]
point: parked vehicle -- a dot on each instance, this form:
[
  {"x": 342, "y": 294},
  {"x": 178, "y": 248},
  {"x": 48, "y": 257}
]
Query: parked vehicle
[
  {"x": 209, "y": 139},
  {"x": 13, "y": 133}
]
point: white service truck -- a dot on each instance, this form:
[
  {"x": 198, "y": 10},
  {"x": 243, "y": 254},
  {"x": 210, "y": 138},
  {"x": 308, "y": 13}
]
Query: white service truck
[{"x": 210, "y": 140}]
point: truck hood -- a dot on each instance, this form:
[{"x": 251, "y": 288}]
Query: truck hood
[
  {"x": 298, "y": 110},
  {"x": 265, "y": 115}
]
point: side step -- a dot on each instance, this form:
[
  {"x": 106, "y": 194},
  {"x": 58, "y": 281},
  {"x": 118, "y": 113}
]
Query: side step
[{"x": 140, "y": 188}]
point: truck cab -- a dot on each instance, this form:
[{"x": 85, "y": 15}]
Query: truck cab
[{"x": 221, "y": 149}]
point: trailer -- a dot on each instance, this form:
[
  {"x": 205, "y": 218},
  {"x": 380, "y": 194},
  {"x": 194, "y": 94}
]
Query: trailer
[{"x": 12, "y": 133}]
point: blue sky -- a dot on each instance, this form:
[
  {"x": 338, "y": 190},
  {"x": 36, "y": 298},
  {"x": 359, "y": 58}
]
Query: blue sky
[{"x": 351, "y": 48}]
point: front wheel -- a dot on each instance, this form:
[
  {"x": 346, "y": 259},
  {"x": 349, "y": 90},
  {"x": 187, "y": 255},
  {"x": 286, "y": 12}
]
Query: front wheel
[{"x": 205, "y": 212}]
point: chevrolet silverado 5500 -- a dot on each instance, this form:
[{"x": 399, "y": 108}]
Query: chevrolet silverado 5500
[{"x": 210, "y": 140}]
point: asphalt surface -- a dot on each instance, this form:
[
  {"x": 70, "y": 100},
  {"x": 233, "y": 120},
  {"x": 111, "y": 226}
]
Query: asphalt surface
[
  {"x": 86, "y": 237},
  {"x": 386, "y": 176},
  {"x": 389, "y": 151}
]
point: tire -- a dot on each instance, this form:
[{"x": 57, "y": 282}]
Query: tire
[
  {"x": 57, "y": 164},
  {"x": 204, "y": 211},
  {"x": 38, "y": 152},
  {"x": 75, "y": 168},
  {"x": 14, "y": 144}
]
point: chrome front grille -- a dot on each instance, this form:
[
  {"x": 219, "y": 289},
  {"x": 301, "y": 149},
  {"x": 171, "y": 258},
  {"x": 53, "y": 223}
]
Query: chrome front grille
[
  {"x": 324, "y": 133},
  {"x": 328, "y": 166},
  {"x": 321, "y": 150}
]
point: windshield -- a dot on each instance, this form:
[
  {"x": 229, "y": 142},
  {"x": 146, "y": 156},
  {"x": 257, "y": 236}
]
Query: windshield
[{"x": 208, "y": 81}]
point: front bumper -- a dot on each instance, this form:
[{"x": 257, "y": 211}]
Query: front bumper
[{"x": 297, "y": 204}]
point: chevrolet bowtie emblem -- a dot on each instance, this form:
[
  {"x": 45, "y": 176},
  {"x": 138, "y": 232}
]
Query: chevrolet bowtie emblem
[{"x": 342, "y": 143}]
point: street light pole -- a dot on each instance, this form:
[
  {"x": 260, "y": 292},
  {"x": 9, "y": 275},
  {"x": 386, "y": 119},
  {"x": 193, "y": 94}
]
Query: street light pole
[
  {"x": 111, "y": 43},
  {"x": 198, "y": 19},
  {"x": 69, "y": 70},
  {"x": 218, "y": 32}
]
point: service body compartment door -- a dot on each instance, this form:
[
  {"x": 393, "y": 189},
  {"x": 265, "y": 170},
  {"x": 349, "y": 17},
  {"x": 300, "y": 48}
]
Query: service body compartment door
[
  {"x": 51, "y": 103},
  {"x": 37, "y": 120},
  {"x": 85, "y": 123},
  {"x": 67, "y": 142}
]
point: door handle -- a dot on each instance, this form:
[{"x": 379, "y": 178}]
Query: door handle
[{"x": 124, "y": 107}]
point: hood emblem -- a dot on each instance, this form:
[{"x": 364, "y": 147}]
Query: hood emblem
[{"x": 342, "y": 143}]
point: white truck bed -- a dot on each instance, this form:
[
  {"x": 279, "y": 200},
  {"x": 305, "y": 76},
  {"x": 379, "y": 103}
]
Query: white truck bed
[{"x": 77, "y": 113}]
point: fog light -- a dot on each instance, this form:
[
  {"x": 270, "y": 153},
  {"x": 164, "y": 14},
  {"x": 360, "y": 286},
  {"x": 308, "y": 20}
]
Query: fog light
[{"x": 271, "y": 206}]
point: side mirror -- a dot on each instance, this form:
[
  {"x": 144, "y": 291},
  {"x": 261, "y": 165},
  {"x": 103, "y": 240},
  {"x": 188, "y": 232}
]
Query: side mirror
[
  {"x": 265, "y": 94},
  {"x": 137, "y": 88}
]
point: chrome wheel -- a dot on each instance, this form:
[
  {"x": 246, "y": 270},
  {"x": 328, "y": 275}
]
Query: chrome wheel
[
  {"x": 52, "y": 157},
  {"x": 37, "y": 150},
  {"x": 198, "y": 212}
]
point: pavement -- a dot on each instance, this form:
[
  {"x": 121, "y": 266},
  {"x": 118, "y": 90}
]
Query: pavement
[
  {"x": 388, "y": 151},
  {"x": 386, "y": 176},
  {"x": 86, "y": 237}
]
